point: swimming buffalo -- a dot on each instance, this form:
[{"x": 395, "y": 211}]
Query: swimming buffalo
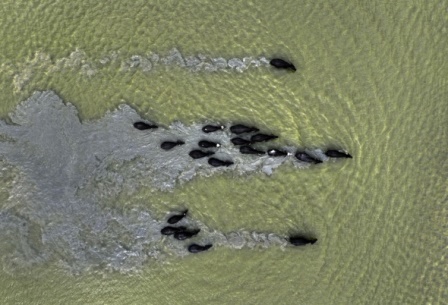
[
  {"x": 184, "y": 234},
  {"x": 260, "y": 137},
  {"x": 239, "y": 141},
  {"x": 250, "y": 151},
  {"x": 208, "y": 144},
  {"x": 197, "y": 154},
  {"x": 282, "y": 64},
  {"x": 217, "y": 163},
  {"x": 299, "y": 240},
  {"x": 277, "y": 153},
  {"x": 337, "y": 154},
  {"x": 167, "y": 145},
  {"x": 304, "y": 157},
  {"x": 212, "y": 128},
  {"x": 195, "y": 248},
  {"x": 176, "y": 218},
  {"x": 239, "y": 129},
  {"x": 144, "y": 126},
  {"x": 171, "y": 230}
]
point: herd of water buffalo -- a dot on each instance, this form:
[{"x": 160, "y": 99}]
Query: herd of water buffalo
[
  {"x": 244, "y": 144},
  {"x": 182, "y": 233},
  {"x": 245, "y": 137}
]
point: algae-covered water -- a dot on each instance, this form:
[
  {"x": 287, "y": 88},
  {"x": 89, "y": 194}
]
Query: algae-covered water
[{"x": 84, "y": 194}]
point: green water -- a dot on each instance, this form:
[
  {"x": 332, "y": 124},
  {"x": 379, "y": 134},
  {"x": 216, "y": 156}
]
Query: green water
[{"x": 372, "y": 78}]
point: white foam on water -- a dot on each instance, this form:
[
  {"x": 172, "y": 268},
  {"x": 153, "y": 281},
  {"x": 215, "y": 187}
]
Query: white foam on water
[
  {"x": 62, "y": 171},
  {"x": 80, "y": 62}
]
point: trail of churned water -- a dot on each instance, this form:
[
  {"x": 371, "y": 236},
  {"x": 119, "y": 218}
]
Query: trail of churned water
[
  {"x": 89, "y": 67},
  {"x": 64, "y": 169}
]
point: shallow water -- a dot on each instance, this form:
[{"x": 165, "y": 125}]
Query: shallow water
[
  {"x": 66, "y": 170},
  {"x": 371, "y": 79}
]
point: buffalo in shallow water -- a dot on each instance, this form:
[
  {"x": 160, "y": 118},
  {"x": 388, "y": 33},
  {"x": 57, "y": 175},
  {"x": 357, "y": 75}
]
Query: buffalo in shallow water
[
  {"x": 171, "y": 230},
  {"x": 304, "y": 157},
  {"x": 239, "y": 129},
  {"x": 184, "y": 234},
  {"x": 217, "y": 163},
  {"x": 167, "y": 145},
  {"x": 176, "y": 218},
  {"x": 144, "y": 126},
  {"x": 299, "y": 240},
  {"x": 250, "y": 151},
  {"x": 198, "y": 154},
  {"x": 260, "y": 137},
  {"x": 239, "y": 141},
  {"x": 282, "y": 64},
  {"x": 195, "y": 248},
  {"x": 277, "y": 153},
  {"x": 337, "y": 154},
  {"x": 212, "y": 128},
  {"x": 208, "y": 144}
]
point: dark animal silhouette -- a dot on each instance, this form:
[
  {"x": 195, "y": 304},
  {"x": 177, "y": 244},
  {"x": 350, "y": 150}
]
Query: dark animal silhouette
[
  {"x": 277, "y": 153},
  {"x": 167, "y": 145},
  {"x": 337, "y": 154},
  {"x": 171, "y": 230},
  {"x": 212, "y": 128},
  {"x": 250, "y": 151},
  {"x": 260, "y": 137},
  {"x": 144, "y": 126},
  {"x": 304, "y": 157},
  {"x": 299, "y": 240},
  {"x": 195, "y": 248},
  {"x": 217, "y": 163},
  {"x": 239, "y": 129},
  {"x": 208, "y": 144},
  {"x": 282, "y": 64},
  {"x": 182, "y": 235},
  {"x": 197, "y": 154},
  {"x": 176, "y": 218},
  {"x": 239, "y": 141}
]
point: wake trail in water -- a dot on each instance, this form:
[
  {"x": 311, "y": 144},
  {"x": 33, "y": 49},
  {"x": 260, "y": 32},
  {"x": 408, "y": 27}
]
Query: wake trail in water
[
  {"x": 60, "y": 171},
  {"x": 78, "y": 61}
]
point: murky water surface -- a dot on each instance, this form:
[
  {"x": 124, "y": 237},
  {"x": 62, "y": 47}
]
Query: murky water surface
[{"x": 84, "y": 194}]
